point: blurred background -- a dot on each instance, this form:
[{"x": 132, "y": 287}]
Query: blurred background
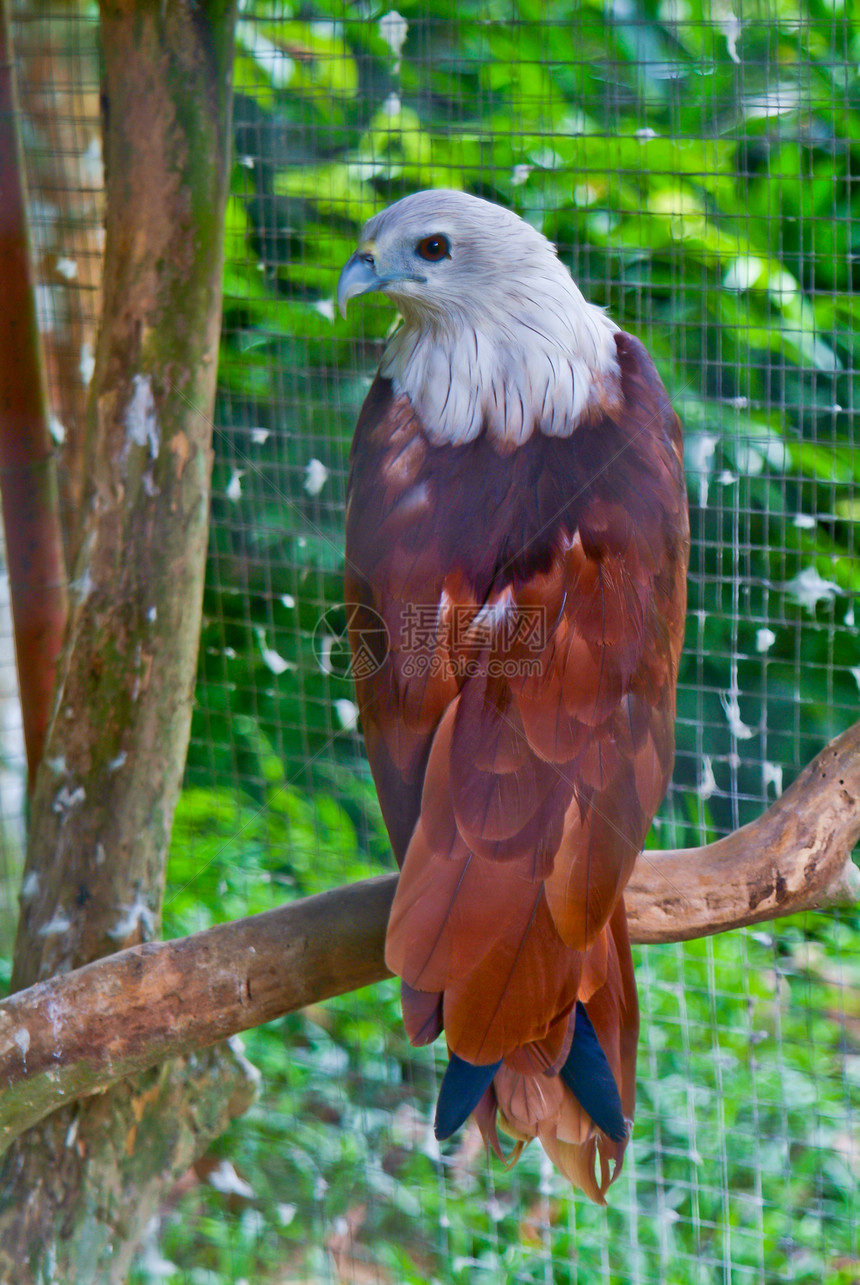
[{"x": 698, "y": 166}]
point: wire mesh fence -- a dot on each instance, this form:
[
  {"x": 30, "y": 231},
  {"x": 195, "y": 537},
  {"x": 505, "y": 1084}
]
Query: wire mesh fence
[{"x": 696, "y": 165}]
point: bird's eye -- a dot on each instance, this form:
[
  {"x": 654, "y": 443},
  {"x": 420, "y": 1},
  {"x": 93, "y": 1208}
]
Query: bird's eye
[{"x": 434, "y": 248}]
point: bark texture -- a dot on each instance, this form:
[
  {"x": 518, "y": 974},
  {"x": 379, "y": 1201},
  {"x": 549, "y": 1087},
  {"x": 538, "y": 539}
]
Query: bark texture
[
  {"x": 796, "y": 856},
  {"x": 78, "y": 1033},
  {"x": 106, "y": 789},
  {"x": 104, "y": 797},
  {"x": 89, "y": 1178},
  {"x": 28, "y": 476}
]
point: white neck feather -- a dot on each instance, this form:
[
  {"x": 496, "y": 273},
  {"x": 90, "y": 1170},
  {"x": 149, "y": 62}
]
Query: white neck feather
[{"x": 530, "y": 353}]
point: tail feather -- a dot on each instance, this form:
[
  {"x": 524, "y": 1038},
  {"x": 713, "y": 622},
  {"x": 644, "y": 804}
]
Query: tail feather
[
  {"x": 589, "y": 1077},
  {"x": 578, "y": 1105},
  {"x": 463, "y": 1086},
  {"x": 592, "y": 1166}
]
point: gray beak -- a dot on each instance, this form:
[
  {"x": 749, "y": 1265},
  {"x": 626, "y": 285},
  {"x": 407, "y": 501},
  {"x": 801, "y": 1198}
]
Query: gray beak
[{"x": 358, "y": 276}]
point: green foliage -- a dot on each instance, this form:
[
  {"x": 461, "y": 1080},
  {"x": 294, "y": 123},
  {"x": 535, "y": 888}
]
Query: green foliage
[{"x": 235, "y": 855}]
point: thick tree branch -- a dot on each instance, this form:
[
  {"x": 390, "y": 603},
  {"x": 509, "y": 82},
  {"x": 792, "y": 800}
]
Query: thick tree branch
[
  {"x": 77, "y": 1033},
  {"x": 796, "y": 856}
]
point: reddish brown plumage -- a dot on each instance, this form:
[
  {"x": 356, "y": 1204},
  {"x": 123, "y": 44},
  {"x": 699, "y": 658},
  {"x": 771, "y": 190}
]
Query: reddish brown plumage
[{"x": 518, "y": 777}]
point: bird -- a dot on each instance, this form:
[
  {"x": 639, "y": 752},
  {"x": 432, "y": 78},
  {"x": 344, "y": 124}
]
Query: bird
[{"x": 517, "y": 541}]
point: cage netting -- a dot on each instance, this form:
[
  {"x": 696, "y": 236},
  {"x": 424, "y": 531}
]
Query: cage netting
[{"x": 697, "y": 165}]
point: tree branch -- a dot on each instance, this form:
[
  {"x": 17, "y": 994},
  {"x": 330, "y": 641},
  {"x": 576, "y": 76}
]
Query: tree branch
[
  {"x": 796, "y": 856},
  {"x": 78, "y": 1033}
]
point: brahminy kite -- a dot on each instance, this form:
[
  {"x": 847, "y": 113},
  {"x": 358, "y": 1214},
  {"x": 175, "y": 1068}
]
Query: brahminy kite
[{"x": 516, "y": 549}]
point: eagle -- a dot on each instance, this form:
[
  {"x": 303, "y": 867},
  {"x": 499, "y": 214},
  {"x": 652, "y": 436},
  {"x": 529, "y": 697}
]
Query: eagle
[{"x": 517, "y": 541}]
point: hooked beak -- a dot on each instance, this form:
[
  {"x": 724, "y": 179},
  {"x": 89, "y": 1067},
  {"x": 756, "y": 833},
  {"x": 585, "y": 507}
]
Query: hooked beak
[{"x": 359, "y": 275}]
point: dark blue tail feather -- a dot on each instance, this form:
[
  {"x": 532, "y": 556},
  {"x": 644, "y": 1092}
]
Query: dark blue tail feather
[
  {"x": 463, "y": 1086},
  {"x": 588, "y": 1076}
]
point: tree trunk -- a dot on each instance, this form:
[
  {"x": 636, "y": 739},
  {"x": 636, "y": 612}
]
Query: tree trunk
[
  {"x": 28, "y": 476},
  {"x": 76, "y": 1192}
]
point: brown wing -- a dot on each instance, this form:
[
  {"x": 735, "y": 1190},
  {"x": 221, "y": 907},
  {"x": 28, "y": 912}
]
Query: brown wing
[
  {"x": 521, "y": 759},
  {"x": 393, "y": 573}
]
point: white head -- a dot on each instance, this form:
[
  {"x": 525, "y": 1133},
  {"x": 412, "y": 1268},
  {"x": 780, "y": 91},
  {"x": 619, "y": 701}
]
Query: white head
[{"x": 496, "y": 333}]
